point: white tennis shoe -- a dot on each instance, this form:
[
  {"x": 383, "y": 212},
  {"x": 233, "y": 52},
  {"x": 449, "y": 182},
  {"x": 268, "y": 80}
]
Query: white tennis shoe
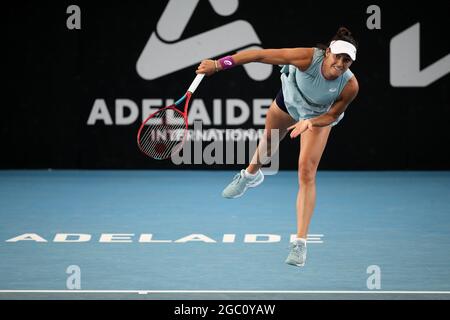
[
  {"x": 241, "y": 182},
  {"x": 297, "y": 256}
]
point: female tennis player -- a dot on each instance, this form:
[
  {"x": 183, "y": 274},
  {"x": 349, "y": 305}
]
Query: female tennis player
[{"x": 316, "y": 88}]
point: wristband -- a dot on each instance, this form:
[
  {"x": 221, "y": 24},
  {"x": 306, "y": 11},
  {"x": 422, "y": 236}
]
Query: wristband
[{"x": 227, "y": 62}]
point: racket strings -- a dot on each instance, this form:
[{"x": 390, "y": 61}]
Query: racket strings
[{"x": 162, "y": 134}]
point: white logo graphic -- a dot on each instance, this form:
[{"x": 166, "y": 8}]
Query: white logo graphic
[
  {"x": 149, "y": 238},
  {"x": 405, "y": 61},
  {"x": 165, "y": 53},
  {"x": 374, "y": 280},
  {"x": 74, "y": 280},
  {"x": 333, "y": 90}
]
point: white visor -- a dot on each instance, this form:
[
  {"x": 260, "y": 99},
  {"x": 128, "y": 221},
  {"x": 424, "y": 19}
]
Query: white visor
[{"x": 340, "y": 46}]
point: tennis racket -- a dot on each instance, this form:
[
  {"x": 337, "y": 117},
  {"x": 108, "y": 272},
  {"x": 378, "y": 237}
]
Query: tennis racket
[{"x": 163, "y": 133}]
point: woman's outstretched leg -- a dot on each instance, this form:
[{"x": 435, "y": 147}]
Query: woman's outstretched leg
[{"x": 277, "y": 122}]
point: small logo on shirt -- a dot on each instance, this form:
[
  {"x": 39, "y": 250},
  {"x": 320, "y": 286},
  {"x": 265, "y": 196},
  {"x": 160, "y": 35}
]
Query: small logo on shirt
[{"x": 333, "y": 90}]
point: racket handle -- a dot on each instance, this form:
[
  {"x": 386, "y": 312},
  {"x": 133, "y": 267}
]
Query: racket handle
[{"x": 196, "y": 82}]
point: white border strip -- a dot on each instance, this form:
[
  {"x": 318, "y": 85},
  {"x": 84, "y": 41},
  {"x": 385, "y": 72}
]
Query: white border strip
[{"x": 226, "y": 291}]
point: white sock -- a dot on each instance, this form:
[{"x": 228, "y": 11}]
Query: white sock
[
  {"x": 302, "y": 240},
  {"x": 250, "y": 175}
]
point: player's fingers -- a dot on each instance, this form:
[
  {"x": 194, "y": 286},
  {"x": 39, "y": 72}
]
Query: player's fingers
[
  {"x": 293, "y": 133},
  {"x": 205, "y": 67},
  {"x": 202, "y": 69},
  {"x": 291, "y": 127},
  {"x": 202, "y": 64}
]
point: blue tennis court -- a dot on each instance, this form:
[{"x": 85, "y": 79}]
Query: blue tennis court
[{"x": 170, "y": 235}]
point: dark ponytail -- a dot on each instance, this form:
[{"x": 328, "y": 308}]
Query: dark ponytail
[{"x": 342, "y": 34}]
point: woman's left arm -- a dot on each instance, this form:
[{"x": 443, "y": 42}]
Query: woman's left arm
[
  {"x": 345, "y": 98},
  {"x": 340, "y": 104}
]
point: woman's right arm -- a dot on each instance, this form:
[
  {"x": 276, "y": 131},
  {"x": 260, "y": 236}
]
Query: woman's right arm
[
  {"x": 295, "y": 56},
  {"x": 299, "y": 57}
]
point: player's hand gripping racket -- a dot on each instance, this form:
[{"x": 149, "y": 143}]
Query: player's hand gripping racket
[{"x": 163, "y": 133}]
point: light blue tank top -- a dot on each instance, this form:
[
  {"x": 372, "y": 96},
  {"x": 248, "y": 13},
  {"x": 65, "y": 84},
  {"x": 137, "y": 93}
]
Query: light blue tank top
[{"x": 308, "y": 93}]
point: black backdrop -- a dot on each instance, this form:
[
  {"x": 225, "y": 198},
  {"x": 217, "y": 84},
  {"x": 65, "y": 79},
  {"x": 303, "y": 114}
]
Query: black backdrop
[{"x": 54, "y": 75}]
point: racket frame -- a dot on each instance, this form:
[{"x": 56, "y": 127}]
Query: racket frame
[
  {"x": 186, "y": 99},
  {"x": 175, "y": 107}
]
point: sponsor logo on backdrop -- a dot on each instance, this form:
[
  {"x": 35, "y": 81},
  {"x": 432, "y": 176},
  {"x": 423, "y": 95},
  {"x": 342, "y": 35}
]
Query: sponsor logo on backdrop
[
  {"x": 405, "y": 67},
  {"x": 165, "y": 51}
]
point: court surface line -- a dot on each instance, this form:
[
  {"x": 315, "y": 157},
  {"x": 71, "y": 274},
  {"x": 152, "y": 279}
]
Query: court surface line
[{"x": 229, "y": 291}]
